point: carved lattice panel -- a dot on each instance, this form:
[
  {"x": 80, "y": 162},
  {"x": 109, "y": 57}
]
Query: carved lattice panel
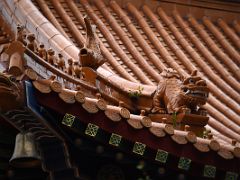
[
  {"x": 209, "y": 171},
  {"x": 115, "y": 139},
  {"x": 161, "y": 156},
  {"x": 139, "y": 148},
  {"x": 184, "y": 163},
  {"x": 68, "y": 120},
  {"x": 231, "y": 176},
  {"x": 91, "y": 130}
]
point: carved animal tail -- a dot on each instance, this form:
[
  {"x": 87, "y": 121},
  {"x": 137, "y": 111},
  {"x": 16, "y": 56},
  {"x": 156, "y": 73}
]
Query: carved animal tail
[
  {"x": 91, "y": 41},
  {"x": 158, "y": 96}
]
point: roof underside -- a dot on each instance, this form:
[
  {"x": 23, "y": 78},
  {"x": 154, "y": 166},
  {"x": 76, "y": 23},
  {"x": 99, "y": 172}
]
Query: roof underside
[{"x": 140, "y": 40}]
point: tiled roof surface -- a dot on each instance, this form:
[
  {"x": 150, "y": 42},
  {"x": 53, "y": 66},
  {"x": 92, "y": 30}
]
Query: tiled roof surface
[{"x": 139, "y": 43}]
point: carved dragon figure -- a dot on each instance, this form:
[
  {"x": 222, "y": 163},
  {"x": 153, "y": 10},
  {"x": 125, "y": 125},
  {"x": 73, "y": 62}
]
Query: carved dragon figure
[
  {"x": 175, "y": 93},
  {"x": 90, "y": 55}
]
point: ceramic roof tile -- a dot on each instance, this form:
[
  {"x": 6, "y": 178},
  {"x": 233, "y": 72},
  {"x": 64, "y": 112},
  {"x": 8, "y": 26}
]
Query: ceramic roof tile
[{"x": 139, "y": 38}]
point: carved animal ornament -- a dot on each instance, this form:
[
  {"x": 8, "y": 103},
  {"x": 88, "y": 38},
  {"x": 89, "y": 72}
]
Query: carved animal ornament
[
  {"x": 90, "y": 55},
  {"x": 174, "y": 93}
]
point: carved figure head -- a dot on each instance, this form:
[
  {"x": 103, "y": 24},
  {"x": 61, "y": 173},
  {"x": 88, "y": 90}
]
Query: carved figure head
[
  {"x": 60, "y": 55},
  {"x": 31, "y": 37},
  {"x": 194, "y": 89},
  {"x": 20, "y": 28},
  {"x": 70, "y": 61},
  {"x": 11, "y": 93},
  {"x": 41, "y": 46},
  {"x": 50, "y": 52},
  {"x": 21, "y": 34}
]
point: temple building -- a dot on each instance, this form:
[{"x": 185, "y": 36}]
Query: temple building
[{"x": 119, "y": 89}]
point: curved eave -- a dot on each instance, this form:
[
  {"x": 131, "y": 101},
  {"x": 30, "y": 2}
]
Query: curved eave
[
  {"x": 225, "y": 95},
  {"x": 180, "y": 147},
  {"x": 223, "y": 105},
  {"x": 143, "y": 135}
]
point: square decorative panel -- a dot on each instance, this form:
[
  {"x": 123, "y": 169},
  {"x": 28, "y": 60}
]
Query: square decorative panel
[
  {"x": 115, "y": 139},
  {"x": 91, "y": 130},
  {"x": 139, "y": 148},
  {"x": 184, "y": 163},
  {"x": 68, "y": 120},
  {"x": 161, "y": 156},
  {"x": 209, "y": 171},
  {"x": 231, "y": 176}
]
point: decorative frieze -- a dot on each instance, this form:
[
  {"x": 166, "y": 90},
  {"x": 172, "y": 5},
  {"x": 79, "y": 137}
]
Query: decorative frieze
[{"x": 139, "y": 148}]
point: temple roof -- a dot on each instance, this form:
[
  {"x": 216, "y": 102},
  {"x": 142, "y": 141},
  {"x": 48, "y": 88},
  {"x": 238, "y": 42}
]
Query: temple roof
[{"x": 139, "y": 39}]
